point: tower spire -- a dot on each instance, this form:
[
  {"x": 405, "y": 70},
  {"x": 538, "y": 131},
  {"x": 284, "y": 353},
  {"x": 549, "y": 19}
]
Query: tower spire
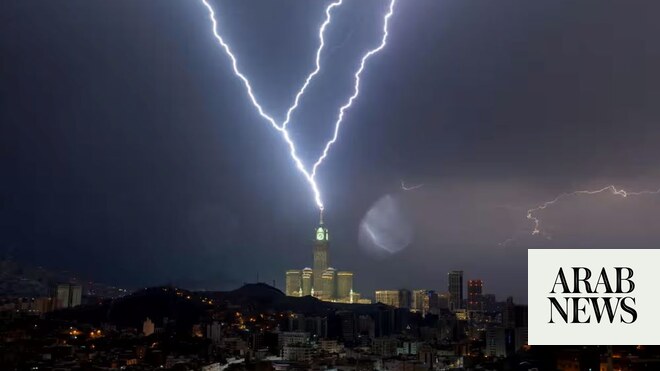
[{"x": 321, "y": 217}]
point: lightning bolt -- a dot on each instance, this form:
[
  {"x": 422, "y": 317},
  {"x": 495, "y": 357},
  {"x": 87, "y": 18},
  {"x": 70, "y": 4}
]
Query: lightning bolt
[
  {"x": 611, "y": 188},
  {"x": 356, "y": 88},
  {"x": 411, "y": 188},
  {"x": 536, "y": 221},
  {"x": 282, "y": 128},
  {"x": 318, "y": 62}
]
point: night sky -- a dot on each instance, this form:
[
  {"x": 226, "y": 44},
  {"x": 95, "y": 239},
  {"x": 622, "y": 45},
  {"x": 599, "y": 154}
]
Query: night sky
[{"x": 130, "y": 153}]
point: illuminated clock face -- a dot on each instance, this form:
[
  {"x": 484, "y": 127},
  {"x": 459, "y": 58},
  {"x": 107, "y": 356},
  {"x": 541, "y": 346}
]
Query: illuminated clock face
[{"x": 320, "y": 235}]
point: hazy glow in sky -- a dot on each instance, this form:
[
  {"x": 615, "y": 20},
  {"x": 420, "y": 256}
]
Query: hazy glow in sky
[{"x": 385, "y": 228}]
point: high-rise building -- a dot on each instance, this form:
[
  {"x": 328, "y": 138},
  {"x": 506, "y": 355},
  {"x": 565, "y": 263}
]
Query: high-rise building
[
  {"x": 294, "y": 282},
  {"x": 321, "y": 281},
  {"x": 455, "y": 285},
  {"x": 68, "y": 295},
  {"x": 388, "y": 297},
  {"x": 474, "y": 295},
  {"x": 320, "y": 255},
  {"x": 329, "y": 284},
  {"x": 307, "y": 277},
  {"x": 344, "y": 285}
]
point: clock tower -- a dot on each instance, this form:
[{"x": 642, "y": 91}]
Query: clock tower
[
  {"x": 321, "y": 281},
  {"x": 320, "y": 253}
]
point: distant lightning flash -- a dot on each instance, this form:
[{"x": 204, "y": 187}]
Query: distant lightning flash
[
  {"x": 411, "y": 188},
  {"x": 282, "y": 128},
  {"x": 611, "y": 188},
  {"x": 536, "y": 221}
]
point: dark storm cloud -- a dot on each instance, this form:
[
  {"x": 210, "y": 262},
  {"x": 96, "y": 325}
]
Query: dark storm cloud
[{"x": 129, "y": 152}]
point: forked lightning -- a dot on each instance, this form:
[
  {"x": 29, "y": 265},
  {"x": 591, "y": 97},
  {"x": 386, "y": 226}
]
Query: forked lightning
[
  {"x": 282, "y": 128},
  {"x": 536, "y": 221}
]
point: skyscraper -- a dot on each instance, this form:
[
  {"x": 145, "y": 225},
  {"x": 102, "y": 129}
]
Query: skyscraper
[
  {"x": 455, "y": 284},
  {"x": 329, "y": 284},
  {"x": 294, "y": 282},
  {"x": 307, "y": 277},
  {"x": 344, "y": 285},
  {"x": 321, "y": 281},
  {"x": 474, "y": 292},
  {"x": 320, "y": 255}
]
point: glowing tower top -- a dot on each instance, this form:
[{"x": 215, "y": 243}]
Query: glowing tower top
[{"x": 320, "y": 253}]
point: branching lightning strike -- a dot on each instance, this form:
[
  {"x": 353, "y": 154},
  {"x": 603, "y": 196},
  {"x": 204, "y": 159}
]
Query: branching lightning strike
[
  {"x": 282, "y": 128},
  {"x": 356, "y": 88},
  {"x": 318, "y": 63},
  {"x": 536, "y": 221},
  {"x": 615, "y": 191}
]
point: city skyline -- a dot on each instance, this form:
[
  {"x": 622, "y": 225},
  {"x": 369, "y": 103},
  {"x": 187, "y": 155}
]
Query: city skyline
[
  {"x": 139, "y": 160},
  {"x": 341, "y": 185}
]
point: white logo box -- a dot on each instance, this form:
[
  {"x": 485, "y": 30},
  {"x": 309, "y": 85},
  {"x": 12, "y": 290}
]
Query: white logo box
[{"x": 543, "y": 270}]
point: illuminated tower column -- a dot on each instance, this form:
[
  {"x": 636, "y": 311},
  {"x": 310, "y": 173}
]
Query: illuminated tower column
[
  {"x": 329, "y": 284},
  {"x": 320, "y": 255},
  {"x": 344, "y": 285},
  {"x": 307, "y": 276}
]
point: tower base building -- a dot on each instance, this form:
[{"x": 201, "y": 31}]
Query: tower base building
[{"x": 321, "y": 281}]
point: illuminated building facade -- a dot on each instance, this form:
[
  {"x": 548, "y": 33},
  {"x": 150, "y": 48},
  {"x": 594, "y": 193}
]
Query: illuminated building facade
[
  {"x": 329, "y": 284},
  {"x": 321, "y": 281},
  {"x": 320, "y": 255},
  {"x": 420, "y": 301},
  {"x": 396, "y": 298},
  {"x": 307, "y": 277},
  {"x": 344, "y": 285},
  {"x": 388, "y": 297}
]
